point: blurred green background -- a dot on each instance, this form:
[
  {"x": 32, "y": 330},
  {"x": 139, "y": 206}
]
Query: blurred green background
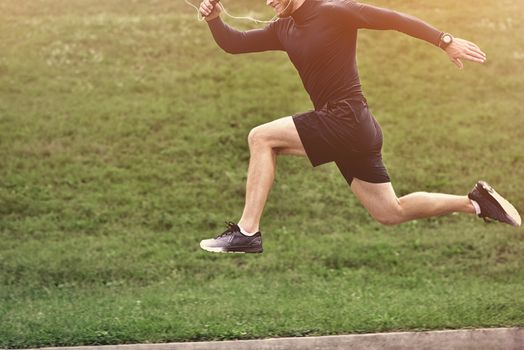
[{"x": 123, "y": 144}]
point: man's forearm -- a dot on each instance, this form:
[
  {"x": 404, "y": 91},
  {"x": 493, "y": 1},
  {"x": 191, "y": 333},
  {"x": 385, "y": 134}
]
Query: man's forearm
[
  {"x": 226, "y": 37},
  {"x": 414, "y": 27},
  {"x": 373, "y": 17},
  {"x": 234, "y": 41}
]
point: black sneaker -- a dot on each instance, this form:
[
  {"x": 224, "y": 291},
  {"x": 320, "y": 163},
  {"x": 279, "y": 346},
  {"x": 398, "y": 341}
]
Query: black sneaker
[
  {"x": 493, "y": 205},
  {"x": 233, "y": 241}
]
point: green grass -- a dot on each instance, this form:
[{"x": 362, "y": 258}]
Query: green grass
[{"x": 123, "y": 143}]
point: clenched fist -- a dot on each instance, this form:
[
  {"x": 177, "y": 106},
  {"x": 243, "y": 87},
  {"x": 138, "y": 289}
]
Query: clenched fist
[{"x": 209, "y": 9}]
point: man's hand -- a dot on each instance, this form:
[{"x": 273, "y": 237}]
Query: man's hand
[
  {"x": 209, "y": 9},
  {"x": 461, "y": 48}
]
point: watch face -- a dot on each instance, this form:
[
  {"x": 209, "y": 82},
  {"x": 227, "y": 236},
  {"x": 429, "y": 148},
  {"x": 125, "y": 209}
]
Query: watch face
[{"x": 446, "y": 39}]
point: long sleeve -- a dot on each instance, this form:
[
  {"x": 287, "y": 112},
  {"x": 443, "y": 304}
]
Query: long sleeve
[
  {"x": 372, "y": 17},
  {"x": 234, "y": 41}
]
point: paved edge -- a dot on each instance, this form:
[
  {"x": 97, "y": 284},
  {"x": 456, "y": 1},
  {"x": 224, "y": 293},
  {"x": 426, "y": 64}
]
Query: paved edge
[{"x": 465, "y": 339}]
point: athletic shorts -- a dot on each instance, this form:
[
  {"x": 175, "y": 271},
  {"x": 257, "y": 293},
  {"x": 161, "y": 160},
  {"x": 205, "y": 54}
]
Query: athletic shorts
[{"x": 347, "y": 133}]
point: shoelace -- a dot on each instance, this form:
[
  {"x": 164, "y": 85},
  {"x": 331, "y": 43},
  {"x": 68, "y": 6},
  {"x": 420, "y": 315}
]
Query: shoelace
[
  {"x": 487, "y": 219},
  {"x": 231, "y": 227}
]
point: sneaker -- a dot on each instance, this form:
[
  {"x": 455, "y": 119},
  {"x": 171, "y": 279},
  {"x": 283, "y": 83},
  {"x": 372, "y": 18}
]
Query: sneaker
[
  {"x": 493, "y": 205},
  {"x": 233, "y": 241}
]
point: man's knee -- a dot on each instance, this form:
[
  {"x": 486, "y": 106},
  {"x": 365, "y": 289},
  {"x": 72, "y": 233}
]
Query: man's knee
[
  {"x": 257, "y": 137},
  {"x": 390, "y": 216}
]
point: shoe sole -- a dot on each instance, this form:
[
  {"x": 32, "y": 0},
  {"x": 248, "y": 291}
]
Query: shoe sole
[
  {"x": 512, "y": 213},
  {"x": 222, "y": 250}
]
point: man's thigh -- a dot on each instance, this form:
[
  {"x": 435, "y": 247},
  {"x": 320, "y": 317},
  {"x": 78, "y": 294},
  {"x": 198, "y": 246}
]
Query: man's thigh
[{"x": 281, "y": 135}]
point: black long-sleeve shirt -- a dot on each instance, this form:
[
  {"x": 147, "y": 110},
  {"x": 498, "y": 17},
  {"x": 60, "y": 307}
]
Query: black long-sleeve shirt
[{"x": 320, "y": 39}]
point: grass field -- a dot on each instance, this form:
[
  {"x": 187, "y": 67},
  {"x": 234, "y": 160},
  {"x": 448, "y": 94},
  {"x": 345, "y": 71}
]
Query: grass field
[{"x": 123, "y": 144}]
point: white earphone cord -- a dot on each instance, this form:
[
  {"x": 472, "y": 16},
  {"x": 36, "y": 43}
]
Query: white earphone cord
[{"x": 200, "y": 18}]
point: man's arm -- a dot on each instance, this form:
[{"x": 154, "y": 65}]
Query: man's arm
[
  {"x": 234, "y": 41},
  {"x": 372, "y": 17}
]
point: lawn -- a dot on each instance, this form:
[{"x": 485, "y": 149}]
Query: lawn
[{"x": 123, "y": 143}]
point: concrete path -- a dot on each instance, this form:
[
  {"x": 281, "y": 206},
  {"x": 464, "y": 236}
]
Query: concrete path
[
  {"x": 470, "y": 339},
  {"x": 474, "y": 339}
]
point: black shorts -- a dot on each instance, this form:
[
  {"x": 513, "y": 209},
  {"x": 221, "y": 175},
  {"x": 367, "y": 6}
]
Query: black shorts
[{"x": 347, "y": 133}]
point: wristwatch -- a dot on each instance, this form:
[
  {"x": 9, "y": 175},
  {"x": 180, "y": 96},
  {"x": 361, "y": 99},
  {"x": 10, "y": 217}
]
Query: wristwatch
[{"x": 445, "y": 40}]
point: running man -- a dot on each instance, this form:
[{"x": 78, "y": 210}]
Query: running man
[{"x": 320, "y": 38}]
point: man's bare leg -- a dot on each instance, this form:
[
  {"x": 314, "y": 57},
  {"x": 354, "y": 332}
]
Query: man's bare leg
[
  {"x": 384, "y": 205},
  {"x": 265, "y": 143}
]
